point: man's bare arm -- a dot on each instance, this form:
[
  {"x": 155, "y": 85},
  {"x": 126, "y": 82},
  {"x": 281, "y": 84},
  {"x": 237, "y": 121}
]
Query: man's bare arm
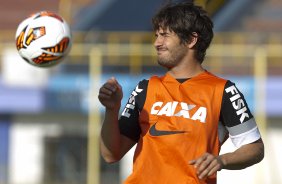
[
  {"x": 113, "y": 145},
  {"x": 245, "y": 156}
]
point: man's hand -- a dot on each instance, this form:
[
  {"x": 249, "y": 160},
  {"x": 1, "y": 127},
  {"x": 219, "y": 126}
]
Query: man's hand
[
  {"x": 110, "y": 94},
  {"x": 206, "y": 165}
]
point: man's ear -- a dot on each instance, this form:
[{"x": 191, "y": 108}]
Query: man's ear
[{"x": 193, "y": 41}]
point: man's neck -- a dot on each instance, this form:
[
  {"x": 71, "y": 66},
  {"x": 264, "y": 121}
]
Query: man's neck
[{"x": 186, "y": 72}]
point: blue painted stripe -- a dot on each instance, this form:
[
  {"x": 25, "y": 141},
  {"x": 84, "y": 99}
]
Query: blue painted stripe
[{"x": 4, "y": 147}]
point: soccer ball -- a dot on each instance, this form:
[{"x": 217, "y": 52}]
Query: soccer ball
[{"x": 43, "y": 39}]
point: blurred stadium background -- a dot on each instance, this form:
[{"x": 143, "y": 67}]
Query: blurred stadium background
[{"x": 50, "y": 118}]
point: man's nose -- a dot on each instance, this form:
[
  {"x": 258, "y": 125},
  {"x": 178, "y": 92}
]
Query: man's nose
[{"x": 158, "y": 41}]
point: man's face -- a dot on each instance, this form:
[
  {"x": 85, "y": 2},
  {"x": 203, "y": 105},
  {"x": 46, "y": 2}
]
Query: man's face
[{"x": 169, "y": 50}]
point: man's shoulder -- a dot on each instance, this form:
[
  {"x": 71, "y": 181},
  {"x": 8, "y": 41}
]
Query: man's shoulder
[{"x": 216, "y": 77}]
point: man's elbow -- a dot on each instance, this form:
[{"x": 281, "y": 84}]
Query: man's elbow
[
  {"x": 260, "y": 156},
  {"x": 260, "y": 152}
]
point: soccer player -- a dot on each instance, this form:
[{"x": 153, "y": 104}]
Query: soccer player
[{"x": 180, "y": 120}]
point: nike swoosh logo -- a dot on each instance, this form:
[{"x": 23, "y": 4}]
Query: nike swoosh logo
[{"x": 154, "y": 132}]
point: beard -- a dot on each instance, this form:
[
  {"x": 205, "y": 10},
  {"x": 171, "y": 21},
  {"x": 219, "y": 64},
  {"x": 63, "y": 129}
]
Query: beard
[
  {"x": 166, "y": 62},
  {"x": 172, "y": 58}
]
